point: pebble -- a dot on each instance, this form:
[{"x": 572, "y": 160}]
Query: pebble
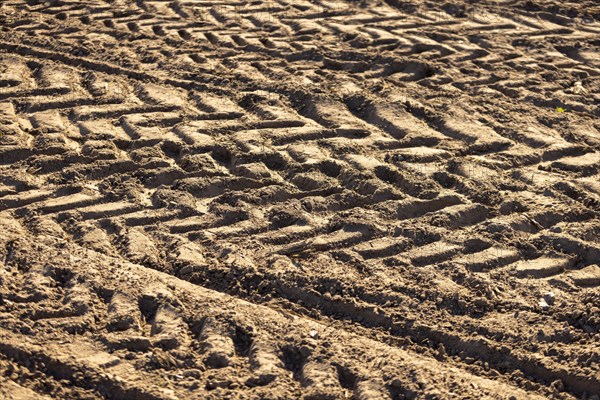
[{"x": 549, "y": 297}]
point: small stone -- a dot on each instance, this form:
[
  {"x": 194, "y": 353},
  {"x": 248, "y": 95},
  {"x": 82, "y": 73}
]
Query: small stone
[
  {"x": 186, "y": 270},
  {"x": 549, "y": 298},
  {"x": 441, "y": 350},
  {"x": 397, "y": 383},
  {"x": 558, "y": 385},
  {"x": 305, "y": 351},
  {"x": 578, "y": 88},
  {"x": 217, "y": 359},
  {"x": 25, "y": 330},
  {"x": 518, "y": 374}
]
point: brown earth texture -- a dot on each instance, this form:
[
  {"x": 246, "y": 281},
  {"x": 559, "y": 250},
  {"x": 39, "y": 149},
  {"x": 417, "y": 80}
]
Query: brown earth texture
[{"x": 299, "y": 199}]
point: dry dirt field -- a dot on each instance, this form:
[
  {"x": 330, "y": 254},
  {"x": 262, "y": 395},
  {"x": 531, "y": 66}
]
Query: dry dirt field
[{"x": 287, "y": 199}]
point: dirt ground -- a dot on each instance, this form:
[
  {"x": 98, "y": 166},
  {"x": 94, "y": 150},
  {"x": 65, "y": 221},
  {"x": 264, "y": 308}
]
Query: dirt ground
[{"x": 375, "y": 199}]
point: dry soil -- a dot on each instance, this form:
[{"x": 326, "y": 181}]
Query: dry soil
[{"x": 299, "y": 199}]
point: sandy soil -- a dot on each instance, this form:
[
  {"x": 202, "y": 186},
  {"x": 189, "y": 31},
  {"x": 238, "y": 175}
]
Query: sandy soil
[{"x": 295, "y": 199}]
